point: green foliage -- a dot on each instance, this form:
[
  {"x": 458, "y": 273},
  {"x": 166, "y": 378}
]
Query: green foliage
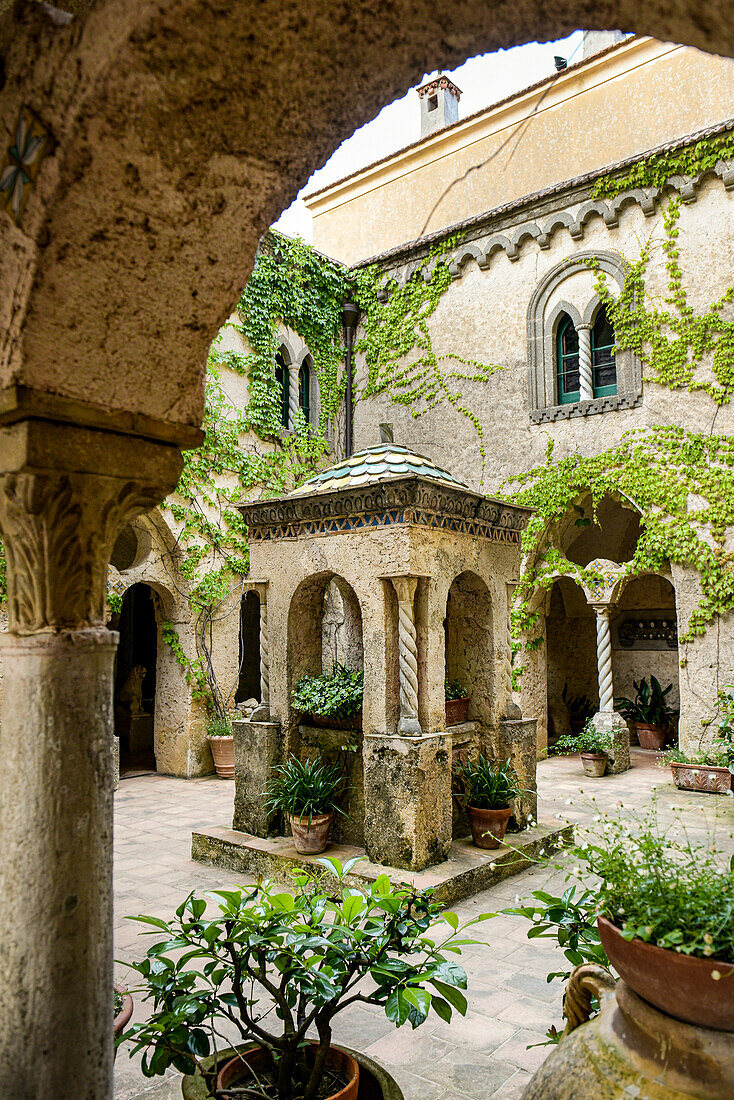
[
  {"x": 649, "y": 705},
  {"x": 588, "y": 739},
  {"x": 570, "y": 920},
  {"x": 397, "y": 344},
  {"x": 334, "y": 694},
  {"x": 679, "y": 346},
  {"x": 659, "y": 884},
  {"x": 484, "y": 785},
  {"x": 219, "y": 727},
  {"x": 454, "y": 689},
  {"x": 718, "y": 751},
  {"x": 682, "y": 484},
  {"x": 309, "y": 953},
  {"x": 691, "y": 160},
  {"x": 305, "y": 788},
  {"x": 579, "y": 707}
]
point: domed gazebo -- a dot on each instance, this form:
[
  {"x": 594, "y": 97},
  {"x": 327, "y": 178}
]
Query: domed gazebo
[{"x": 387, "y": 562}]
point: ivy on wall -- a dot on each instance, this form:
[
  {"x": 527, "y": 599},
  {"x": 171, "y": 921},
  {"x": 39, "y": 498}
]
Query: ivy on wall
[{"x": 655, "y": 171}]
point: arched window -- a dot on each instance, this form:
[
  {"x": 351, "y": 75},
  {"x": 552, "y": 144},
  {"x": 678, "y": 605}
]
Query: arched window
[
  {"x": 567, "y": 361},
  {"x": 304, "y": 390},
  {"x": 282, "y": 377},
  {"x": 603, "y": 361}
]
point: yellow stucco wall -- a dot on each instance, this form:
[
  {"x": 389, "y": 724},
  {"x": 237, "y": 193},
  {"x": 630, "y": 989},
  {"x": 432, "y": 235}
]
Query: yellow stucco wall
[{"x": 638, "y": 96}]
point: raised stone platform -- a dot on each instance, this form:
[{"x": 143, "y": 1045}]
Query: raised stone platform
[{"x": 467, "y": 870}]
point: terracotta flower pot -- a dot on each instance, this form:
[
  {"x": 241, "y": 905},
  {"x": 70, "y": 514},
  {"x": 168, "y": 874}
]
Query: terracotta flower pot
[
  {"x": 682, "y": 986},
  {"x": 650, "y": 737},
  {"x": 327, "y": 722},
  {"x": 223, "y": 755},
  {"x": 311, "y": 837},
  {"x": 701, "y": 777},
  {"x": 235, "y": 1072},
  {"x": 457, "y": 711},
  {"x": 488, "y": 827},
  {"x": 594, "y": 764},
  {"x": 122, "y": 1019}
]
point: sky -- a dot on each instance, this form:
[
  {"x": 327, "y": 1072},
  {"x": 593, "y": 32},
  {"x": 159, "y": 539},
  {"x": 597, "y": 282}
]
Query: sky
[{"x": 483, "y": 80}]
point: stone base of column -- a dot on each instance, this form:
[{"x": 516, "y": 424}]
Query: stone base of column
[
  {"x": 611, "y": 722},
  {"x": 257, "y": 747},
  {"x": 518, "y": 743},
  {"x": 407, "y": 797}
]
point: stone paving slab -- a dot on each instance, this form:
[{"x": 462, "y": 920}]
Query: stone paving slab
[{"x": 484, "y": 1055}]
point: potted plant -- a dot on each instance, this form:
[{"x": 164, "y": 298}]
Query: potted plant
[
  {"x": 486, "y": 791},
  {"x": 457, "y": 702},
  {"x": 579, "y": 707},
  {"x": 596, "y": 748},
  {"x": 308, "y": 792},
  {"x": 309, "y": 953},
  {"x": 648, "y": 713},
  {"x": 333, "y": 699},
  {"x": 221, "y": 742},
  {"x": 711, "y": 768}
]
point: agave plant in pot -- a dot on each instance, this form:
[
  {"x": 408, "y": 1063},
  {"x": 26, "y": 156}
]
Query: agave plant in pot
[
  {"x": 308, "y": 792},
  {"x": 486, "y": 791},
  {"x": 595, "y": 746},
  {"x": 649, "y": 712},
  {"x": 333, "y": 699},
  {"x": 275, "y": 968}
]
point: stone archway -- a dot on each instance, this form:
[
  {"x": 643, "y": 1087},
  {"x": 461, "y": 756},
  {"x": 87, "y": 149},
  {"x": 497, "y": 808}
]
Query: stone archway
[
  {"x": 136, "y": 237},
  {"x": 469, "y": 656}
]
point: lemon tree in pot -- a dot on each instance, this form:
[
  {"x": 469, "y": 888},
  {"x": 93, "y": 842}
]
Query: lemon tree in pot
[
  {"x": 332, "y": 699},
  {"x": 486, "y": 791},
  {"x": 595, "y": 746},
  {"x": 649, "y": 712},
  {"x": 308, "y": 792},
  {"x": 275, "y": 967}
]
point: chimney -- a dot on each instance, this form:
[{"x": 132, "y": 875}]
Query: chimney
[
  {"x": 439, "y": 104},
  {"x": 596, "y": 41}
]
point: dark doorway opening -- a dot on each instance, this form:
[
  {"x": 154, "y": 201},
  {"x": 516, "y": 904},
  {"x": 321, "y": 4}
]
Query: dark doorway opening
[
  {"x": 135, "y": 681},
  {"x": 249, "y": 678}
]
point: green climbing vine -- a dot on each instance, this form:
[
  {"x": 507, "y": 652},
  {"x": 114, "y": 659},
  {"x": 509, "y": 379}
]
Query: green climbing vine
[
  {"x": 655, "y": 171},
  {"x": 397, "y": 345},
  {"x": 682, "y": 484}
]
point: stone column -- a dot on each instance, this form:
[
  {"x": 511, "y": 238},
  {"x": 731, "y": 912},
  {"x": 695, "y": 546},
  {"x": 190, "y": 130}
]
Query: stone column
[
  {"x": 407, "y": 656},
  {"x": 607, "y": 718},
  {"x": 261, "y": 713},
  {"x": 65, "y": 493},
  {"x": 293, "y": 394},
  {"x": 586, "y": 377}
]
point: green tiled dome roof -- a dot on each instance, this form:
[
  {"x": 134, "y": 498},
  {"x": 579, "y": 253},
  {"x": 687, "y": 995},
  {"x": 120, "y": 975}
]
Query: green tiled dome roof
[{"x": 386, "y": 460}]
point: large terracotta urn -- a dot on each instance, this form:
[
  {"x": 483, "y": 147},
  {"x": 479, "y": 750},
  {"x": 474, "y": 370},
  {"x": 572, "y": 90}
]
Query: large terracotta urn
[{"x": 633, "y": 1050}]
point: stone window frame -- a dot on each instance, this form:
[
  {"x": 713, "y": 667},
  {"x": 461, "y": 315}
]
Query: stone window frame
[
  {"x": 542, "y": 329},
  {"x": 297, "y": 354}
]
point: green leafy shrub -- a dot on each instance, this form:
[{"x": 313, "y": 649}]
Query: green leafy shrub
[
  {"x": 311, "y": 954},
  {"x": 589, "y": 739},
  {"x": 569, "y": 919},
  {"x": 649, "y": 705},
  {"x": 219, "y": 727},
  {"x": 720, "y": 751},
  {"x": 305, "y": 788},
  {"x": 579, "y": 707},
  {"x": 334, "y": 694},
  {"x": 486, "y": 786},
  {"x": 454, "y": 689}
]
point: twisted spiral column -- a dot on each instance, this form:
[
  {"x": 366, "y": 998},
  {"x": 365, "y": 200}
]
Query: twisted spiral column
[
  {"x": 293, "y": 395},
  {"x": 407, "y": 655},
  {"x": 604, "y": 660},
  {"x": 264, "y": 655},
  {"x": 586, "y": 378}
]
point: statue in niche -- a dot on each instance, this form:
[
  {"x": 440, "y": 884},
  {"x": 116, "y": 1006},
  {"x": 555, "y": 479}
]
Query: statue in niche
[
  {"x": 331, "y": 624},
  {"x": 132, "y": 691}
]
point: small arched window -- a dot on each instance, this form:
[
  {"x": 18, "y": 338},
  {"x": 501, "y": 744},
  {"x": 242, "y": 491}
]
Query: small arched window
[
  {"x": 567, "y": 361},
  {"x": 283, "y": 378},
  {"x": 603, "y": 363},
  {"x": 304, "y": 390}
]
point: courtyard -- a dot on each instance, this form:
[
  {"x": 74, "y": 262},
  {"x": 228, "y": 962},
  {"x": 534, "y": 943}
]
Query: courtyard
[{"x": 493, "y": 1051}]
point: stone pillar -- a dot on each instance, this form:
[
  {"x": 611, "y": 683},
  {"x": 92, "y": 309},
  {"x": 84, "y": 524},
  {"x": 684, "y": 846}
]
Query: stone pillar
[
  {"x": 65, "y": 493},
  {"x": 261, "y": 713},
  {"x": 518, "y": 743},
  {"x": 293, "y": 395},
  {"x": 607, "y": 719},
  {"x": 257, "y": 747},
  {"x": 586, "y": 376},
  {"x": 408, "y": 656}
]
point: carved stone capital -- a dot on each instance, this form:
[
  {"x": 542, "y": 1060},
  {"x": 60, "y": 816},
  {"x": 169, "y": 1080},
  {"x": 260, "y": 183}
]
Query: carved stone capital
[{"x": 65, "y": 494}]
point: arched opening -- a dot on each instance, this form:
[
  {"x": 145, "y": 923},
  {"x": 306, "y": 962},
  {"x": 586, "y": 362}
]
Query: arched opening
[
  {"x": 248, "y": 686},
  {"x": 610, "y": 532},
  {"x": 603, "y": 360},
  {"x": 135, "y": 680},
  {"x": 572, "y": 686},
  {"x": 283, "y": 378},
  {"x": 305, "y": 376},
  {"x": 468, "y": 643},
  {"x": 567, "y": 360},
  {"x": 645, "y": 638}
]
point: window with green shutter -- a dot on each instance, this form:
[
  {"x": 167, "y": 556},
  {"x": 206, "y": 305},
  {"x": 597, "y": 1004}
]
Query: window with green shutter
[
  {"x": 603, "y": 363},
  {"x": 567, "y": 361}
]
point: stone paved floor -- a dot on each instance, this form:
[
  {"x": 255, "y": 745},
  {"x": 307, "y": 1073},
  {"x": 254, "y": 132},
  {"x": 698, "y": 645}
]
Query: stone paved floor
[{"x": 511, "y": 1005}]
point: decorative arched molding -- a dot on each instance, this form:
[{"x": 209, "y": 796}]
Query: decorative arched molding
[{"x": 542, "y": 376}]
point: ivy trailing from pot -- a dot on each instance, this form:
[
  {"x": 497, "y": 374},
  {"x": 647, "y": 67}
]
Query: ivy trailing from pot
[
  {"x": 332, "y": 697},
  {"x": 312, "y": 953}
]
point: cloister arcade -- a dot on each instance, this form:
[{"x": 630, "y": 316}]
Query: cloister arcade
[{"x": 132, "y": 239}]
